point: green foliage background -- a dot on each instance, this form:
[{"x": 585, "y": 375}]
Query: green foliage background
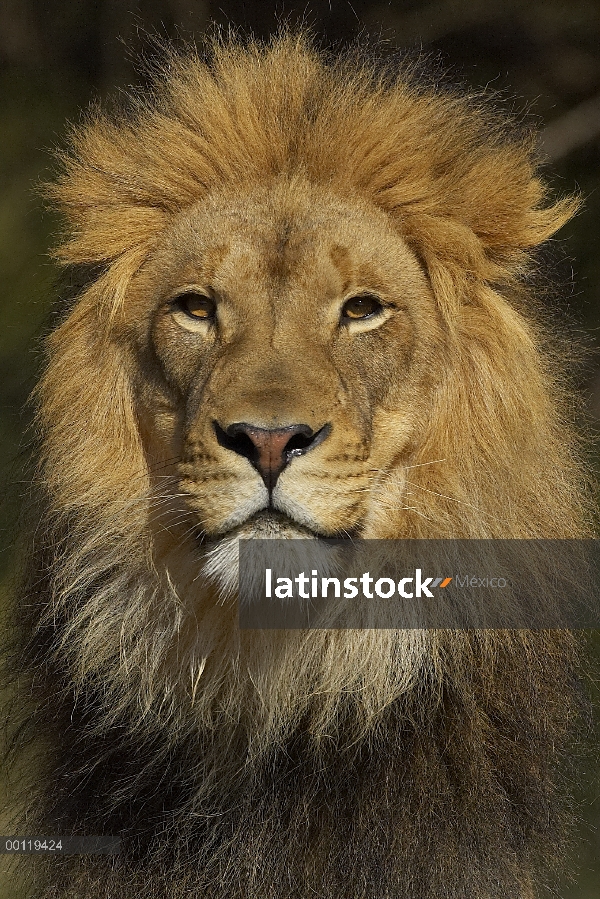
[{"x": 55, "y": 57}]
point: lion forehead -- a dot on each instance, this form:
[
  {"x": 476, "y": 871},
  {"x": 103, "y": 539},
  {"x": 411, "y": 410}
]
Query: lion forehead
[{"x": 291, "y": 232}]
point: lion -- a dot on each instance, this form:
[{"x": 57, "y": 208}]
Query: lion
[{"x": 304, "y": 311}]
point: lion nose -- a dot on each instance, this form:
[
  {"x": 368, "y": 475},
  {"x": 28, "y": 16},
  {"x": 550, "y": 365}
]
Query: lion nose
[{"x": 270, "y": 450}]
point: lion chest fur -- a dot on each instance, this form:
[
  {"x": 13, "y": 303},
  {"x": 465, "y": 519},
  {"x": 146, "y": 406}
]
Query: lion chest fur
[{"x": 304, "y": 320}]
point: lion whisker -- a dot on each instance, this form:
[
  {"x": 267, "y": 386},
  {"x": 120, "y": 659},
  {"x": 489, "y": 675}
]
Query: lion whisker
[
  {"x": 421, "y": 464},
  {"x": 454, "y": 499}
]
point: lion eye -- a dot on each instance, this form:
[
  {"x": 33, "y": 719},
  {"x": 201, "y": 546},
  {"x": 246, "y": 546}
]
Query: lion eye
[
  {"x": 361, "y": 307},
  {"x": 196, "y": 305}
]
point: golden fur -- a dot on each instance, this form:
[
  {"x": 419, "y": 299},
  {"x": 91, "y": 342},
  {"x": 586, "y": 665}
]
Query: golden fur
[{"x": 282, "y": 184}]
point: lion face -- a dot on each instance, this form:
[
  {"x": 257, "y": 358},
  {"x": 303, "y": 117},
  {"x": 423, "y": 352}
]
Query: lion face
[{"x": 291, "y": 334}]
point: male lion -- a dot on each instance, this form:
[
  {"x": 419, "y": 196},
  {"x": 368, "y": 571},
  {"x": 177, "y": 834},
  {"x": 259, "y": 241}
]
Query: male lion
[{"x": 304, "y": 313}]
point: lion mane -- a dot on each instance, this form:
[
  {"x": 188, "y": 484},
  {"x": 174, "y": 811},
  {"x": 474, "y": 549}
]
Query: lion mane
[{"x": 371, "y": 763}]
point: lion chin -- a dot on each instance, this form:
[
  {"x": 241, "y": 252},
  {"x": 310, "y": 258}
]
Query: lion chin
[{"x": 220, "y": 559}]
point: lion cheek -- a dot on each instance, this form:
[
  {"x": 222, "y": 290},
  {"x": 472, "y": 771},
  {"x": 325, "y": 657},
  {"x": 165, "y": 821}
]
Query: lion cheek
[
  {"x": 222, "y": 508},
  {"x": 386, "y": 517},
  {"x": 329, "y": 507}
]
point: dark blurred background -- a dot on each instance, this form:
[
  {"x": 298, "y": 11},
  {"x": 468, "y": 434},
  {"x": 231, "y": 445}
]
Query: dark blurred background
[{"x": 540, "y": 57}]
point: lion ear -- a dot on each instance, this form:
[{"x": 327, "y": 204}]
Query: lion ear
[
  {"x": 505, "y": 205},
  {"x": 469, "y": 197},
  {"x": 484, "y": 232}
]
